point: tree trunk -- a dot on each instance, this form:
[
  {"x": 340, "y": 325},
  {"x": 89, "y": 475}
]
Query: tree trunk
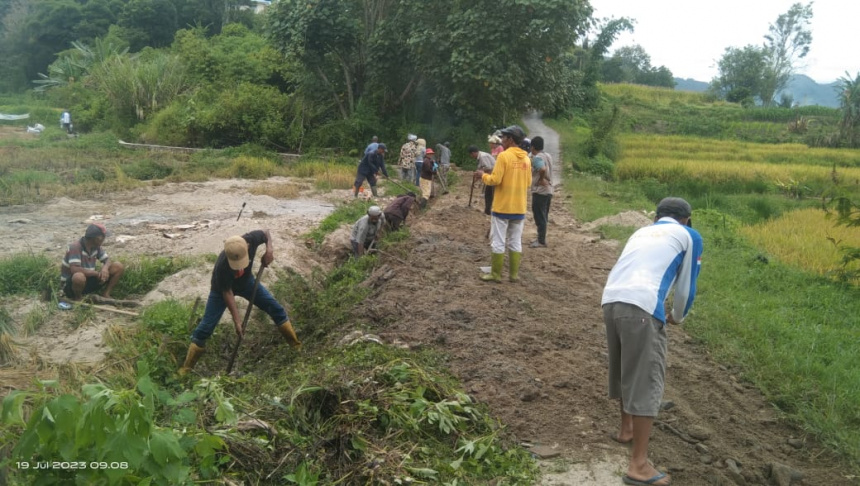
[{"x": 333, "y": 93}]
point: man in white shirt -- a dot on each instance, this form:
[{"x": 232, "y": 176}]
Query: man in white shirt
[
  {"x": 656, "y": 259},
  {"x": 66, "y": 121}
]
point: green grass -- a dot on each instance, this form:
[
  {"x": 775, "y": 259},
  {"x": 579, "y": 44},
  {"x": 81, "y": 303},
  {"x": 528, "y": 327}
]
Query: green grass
[
  {"x": 143, "y": 274},
  {"x": 25, "y": 273},
  {"x": 347, "y": 214},
  {"x": 794, "y": 334}
]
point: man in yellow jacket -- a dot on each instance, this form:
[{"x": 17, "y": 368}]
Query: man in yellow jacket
[{"x": 512, "y": 177}]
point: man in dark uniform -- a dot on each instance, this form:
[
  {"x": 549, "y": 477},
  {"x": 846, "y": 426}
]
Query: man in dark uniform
[{"x": 370, "y": 166}]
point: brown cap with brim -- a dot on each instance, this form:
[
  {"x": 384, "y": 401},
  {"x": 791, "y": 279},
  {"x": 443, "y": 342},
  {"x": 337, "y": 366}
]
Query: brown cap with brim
[{"x": 236, "y": 249}]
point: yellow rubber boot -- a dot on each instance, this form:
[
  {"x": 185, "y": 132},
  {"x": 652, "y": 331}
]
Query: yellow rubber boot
[
  {"x": 194, "y": 353},
  {"x": 286, "y": 330},
  {"x": 514, "y": 261},
  {"x": 495, "y": 274}
]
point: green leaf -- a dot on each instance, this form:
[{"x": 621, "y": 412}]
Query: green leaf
[
  {"x": 185, "y": 397},
  {"x": 13, "y": 407},
  {"x": 185, "y": 416},
  {"x": 164, "y": 447}
]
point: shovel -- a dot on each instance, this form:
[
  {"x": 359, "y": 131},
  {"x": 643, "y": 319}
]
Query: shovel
[
  {"x": 247, "y": 316},
  {"x": 399, "y": 185}
]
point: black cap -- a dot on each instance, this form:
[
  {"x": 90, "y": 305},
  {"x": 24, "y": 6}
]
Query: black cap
[
  {"x": 95, "y": 230},
  {"x": 382, "y": 146},
  {"x": 515, "y": 132},
  {"x": 674, "y": 207}
]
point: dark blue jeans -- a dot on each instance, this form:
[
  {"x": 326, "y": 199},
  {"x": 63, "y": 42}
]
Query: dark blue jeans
[
  {"x": 216, "y": 305},
  {"x": 418, "y": 166}
]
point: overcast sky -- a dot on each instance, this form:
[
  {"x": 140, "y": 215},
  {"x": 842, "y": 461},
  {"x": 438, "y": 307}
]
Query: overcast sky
[{"x": 689, "y": 36}]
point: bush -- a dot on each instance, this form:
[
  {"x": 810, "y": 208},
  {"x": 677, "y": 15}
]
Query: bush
[
  {"x": 250, "y": 168},
  {"x": 599, "y": 165},
  {"x": 147, "y": 170}
]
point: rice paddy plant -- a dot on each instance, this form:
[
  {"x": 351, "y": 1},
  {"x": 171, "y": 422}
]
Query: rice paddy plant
[
  {"x": 699, "y": 148},
  {"x": 804, "y": 238},
  {"x": 652, "y": 94},
  {"x": 729, "y": 177}
]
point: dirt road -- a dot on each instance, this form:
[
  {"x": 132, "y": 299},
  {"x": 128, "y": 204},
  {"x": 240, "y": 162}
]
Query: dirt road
[{"x": 535, "y": 351}]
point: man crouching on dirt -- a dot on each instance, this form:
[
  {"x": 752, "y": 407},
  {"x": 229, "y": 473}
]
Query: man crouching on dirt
[
  {"x": 233, "y": 276},
  {"x": 656, "y": 258},
  {"x": 78, "y": 274}
]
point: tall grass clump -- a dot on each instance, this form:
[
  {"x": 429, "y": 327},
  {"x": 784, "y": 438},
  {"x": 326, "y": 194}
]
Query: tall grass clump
[
  {"x": 246, "y": 167},
  {"x": 144, "y": 274},
  {"x": 25, "y": 273},
  {"x": 276, "y": 190}
]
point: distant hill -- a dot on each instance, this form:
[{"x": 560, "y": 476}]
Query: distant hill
[
  {"x": 802, "y": 88},
  {"x": 690, "y": 85}
]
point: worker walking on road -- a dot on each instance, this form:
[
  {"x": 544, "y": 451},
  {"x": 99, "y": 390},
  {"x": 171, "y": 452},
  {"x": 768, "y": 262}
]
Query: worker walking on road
[
  {"x": 232, "y": 276},
  {"x": 657, "y": 258},
  {"x": 511, "y": 177}
]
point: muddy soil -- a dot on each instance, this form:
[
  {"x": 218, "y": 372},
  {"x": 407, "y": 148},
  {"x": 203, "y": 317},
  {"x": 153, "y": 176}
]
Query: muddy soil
[{"x": 533, "y": 351}]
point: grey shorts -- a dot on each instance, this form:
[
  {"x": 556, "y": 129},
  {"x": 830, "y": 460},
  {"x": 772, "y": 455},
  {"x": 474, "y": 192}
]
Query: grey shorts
[{"x": 637, "y": 358}]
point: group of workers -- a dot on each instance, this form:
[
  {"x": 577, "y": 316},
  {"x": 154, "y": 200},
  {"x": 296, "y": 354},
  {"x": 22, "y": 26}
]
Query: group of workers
[{"x": 657, "y": 260}]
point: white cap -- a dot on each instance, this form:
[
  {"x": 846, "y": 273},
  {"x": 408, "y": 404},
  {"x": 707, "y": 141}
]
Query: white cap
[{"x": 374, "y": 211}]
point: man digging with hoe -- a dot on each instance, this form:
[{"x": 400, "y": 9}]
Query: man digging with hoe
[{"x": 233, "y": 276}]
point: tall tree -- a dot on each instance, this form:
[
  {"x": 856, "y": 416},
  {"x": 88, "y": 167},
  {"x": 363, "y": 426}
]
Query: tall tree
[
  {"x": 631, "y": 64},
  {"x": 147, "y": 23},
  {"x": 740, "y": 74},
  {"x": 458, "y": 55},
  {"x": 785, "y": 45},
  {"x": 849, "y": 104}
]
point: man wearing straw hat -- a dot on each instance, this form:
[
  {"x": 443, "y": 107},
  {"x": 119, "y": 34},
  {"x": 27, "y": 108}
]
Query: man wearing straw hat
[{"x": 232, "y": 276}]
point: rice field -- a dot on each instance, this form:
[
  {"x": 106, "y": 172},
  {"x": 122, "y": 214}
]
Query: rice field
[
  {"x": 805, "y": 238},
  {"x": 638, "y": 146}
]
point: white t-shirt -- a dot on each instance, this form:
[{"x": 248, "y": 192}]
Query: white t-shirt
[{"x": 655, "y": 259}]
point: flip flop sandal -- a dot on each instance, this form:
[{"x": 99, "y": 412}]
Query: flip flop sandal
[{"x": 646, "y": 482}]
